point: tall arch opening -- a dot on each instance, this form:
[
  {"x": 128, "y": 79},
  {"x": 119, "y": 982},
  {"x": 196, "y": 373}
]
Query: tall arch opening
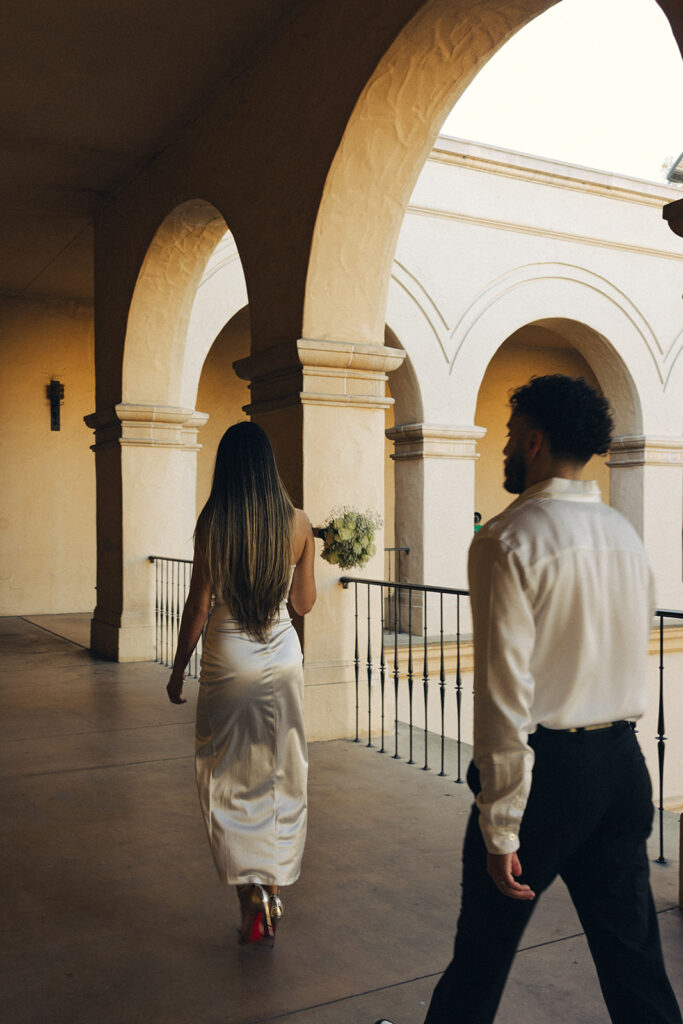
[
  {"x": 221, "y": 395},
  {"x": 147, "y": 479}
]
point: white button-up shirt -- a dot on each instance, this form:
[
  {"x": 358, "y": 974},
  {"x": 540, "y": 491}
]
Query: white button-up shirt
[{"x": 562, "y": 602}]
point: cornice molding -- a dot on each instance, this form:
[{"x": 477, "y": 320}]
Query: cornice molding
[
  {"x": 646, "y": 451},
  {"x": 539, "y": 232},
  {"x": 161, "y": 426},
  {"x": 554, "y": 173},
  {"x": 319, "y": 372},
  {"x": 434, "y": 441}
]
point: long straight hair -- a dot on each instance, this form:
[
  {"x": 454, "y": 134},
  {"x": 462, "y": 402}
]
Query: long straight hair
[{"x": 244, "y": 532}]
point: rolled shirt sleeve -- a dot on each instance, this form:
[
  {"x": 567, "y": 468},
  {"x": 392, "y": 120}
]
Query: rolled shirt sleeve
[{"x": 504, "y": 636}]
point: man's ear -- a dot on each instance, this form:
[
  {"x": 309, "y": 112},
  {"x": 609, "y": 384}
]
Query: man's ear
[{"x": 535, "y": 442}]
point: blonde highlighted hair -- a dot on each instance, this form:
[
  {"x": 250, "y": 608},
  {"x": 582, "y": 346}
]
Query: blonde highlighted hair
[{"x": 244, "y": 532}]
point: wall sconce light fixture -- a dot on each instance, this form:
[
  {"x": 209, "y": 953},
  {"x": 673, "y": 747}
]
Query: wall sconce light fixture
[{"x": 55, "y": 392}]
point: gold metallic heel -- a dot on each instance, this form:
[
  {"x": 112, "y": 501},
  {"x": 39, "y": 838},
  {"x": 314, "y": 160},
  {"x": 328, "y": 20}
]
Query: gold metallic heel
[{"x": 277, "y": 910}]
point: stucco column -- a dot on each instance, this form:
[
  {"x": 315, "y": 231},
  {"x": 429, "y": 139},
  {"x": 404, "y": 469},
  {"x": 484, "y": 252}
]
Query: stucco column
[
  {"x": 434, "y": 516},
  {"x": 646, "y": 485},
  {"x": 146, "y": 460},
  {"x": 323, "y": 405}
]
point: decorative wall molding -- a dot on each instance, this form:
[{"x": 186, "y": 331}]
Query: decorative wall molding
[
  {"x": 646, "y": 451},
  {"x": 543, "y": 171},
  {"x": 434, "y": 441},
  {"x": 319, "y": 372},
  {"x": 540, "y": 232},
  {"x": 161, "y": 426}
]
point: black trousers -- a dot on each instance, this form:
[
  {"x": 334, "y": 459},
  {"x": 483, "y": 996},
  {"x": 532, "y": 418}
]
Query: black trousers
[{"x": 587, "y": 819}]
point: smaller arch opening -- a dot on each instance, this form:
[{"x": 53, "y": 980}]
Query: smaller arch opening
[{"x": 542, "y": 347}]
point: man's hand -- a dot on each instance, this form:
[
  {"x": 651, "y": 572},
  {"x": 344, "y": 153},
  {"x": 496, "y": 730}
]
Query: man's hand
[{"x": 504, "y": 869}]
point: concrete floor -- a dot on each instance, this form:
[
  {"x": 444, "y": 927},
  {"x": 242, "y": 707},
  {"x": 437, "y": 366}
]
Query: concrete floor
[{"x": 112, "y": 911}]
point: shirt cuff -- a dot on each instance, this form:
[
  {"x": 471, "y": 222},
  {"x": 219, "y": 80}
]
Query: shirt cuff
[{"x": 499, "y": 842}]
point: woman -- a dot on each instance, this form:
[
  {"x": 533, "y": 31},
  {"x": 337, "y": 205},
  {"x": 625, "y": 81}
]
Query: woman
[{"x": 252, "y": 549}]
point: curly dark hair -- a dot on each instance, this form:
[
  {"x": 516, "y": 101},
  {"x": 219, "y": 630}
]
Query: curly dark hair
[{"x": 575, "y": 418}]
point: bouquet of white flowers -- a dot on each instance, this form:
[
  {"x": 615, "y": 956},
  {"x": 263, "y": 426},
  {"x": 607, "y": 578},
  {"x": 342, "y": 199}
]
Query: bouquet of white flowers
[{"x": 349, "y": 537}]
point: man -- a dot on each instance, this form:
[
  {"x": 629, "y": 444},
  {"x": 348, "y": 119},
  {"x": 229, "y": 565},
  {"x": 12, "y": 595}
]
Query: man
[{"x": 562, "y": 603}]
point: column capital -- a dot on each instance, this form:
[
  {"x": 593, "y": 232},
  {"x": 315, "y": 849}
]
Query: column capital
[
  {"x": 165, "y": 426},
  {"x": 640, "y": 450},
  {"x": 435, "y": 441},
  {"x": 319, "y": 372}
]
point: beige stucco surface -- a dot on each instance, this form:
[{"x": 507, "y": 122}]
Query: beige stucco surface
[
  {"x": 47, "y": 499},
  {"x": 530, "y": 353}
]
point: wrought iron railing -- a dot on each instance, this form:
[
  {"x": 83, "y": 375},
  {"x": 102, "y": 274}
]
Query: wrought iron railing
[
  {"x": 426, "y": 650},
  {"x": 393, "y": 567},
  {"x": 171, "y": 587},
  {"x": 390, "y": 641},
  {"x": 389, "y": 655}
]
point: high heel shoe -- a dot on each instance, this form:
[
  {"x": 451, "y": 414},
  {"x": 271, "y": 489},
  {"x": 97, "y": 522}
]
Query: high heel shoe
[
  {"x": 277, "y": 910},
  {"x": 257, "y": 924}
]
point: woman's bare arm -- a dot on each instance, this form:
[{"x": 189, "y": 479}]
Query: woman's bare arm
[
  {"x": 302, "y": 594},
  {"x": 195, "y": 614}
]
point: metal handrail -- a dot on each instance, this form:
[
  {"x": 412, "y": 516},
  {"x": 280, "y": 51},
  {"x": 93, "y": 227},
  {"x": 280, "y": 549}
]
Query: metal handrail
[{"x": 171, "y": 587}]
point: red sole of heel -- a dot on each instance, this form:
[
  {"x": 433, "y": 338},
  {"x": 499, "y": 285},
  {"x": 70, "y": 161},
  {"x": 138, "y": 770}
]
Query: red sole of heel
[{"x": 257, "y": 928}]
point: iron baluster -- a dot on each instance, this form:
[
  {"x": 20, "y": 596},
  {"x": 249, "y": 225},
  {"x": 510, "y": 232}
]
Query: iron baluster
[
  {"x": 661, "y": 740},
  {"x": 369, "y": 743},
  {"x": 176, "y": 623},
  {"x": 356, "y": 658},
  {"x": 442, "y": 689},
  {"x": 396, "y": 675},
  {"x": 166, "y": 610},
  {"x": 410, "y": 676},
  {"x": 156, "y": 608},
  {"x": 382, "y": 662},
  {"x": 425, "y": 686},
  {"x": 458, "y": 686}
]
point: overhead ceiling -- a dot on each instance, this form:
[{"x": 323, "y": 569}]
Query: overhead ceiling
[{"x": 90, "y": 92}]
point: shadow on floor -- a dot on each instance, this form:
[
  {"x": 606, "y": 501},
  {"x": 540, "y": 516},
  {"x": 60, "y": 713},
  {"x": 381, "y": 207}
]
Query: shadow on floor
[{"x": 113, "y": 912}]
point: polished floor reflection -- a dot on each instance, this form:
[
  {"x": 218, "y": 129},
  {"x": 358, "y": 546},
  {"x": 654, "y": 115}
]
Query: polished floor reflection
[{"x": 112, "y": 911}]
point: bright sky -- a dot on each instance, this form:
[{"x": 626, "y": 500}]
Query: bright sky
[{"x": 591, "y": 82}]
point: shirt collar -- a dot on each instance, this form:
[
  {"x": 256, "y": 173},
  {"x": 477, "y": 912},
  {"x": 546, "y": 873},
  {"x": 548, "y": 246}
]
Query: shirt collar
[{"x": 564, "y": 489}]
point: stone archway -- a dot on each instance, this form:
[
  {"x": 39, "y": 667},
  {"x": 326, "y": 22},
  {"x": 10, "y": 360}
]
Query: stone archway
[
  {"x": 636, "y": 379},
  {"x": 385, "y": 145},
  {"x": 146, "y": 457}
]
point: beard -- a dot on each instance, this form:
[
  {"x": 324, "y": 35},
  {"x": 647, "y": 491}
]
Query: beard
[{"x": 515, "y": 474}]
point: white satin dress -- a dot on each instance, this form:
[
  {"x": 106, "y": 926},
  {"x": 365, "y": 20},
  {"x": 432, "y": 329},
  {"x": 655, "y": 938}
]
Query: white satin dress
[{"x": 251, "y": 757}]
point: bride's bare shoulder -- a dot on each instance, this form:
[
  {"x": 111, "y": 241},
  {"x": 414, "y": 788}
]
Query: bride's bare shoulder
[
  {"x": 301, "y": 520},
  {"x": 301, "y": 533}
]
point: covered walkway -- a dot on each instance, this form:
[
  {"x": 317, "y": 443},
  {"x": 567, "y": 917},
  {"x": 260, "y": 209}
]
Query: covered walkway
[{"x": 112, "y": 912}]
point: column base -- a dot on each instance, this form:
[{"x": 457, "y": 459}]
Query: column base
[
  {"x": 122, "y": 643},
  {"x": 329, "y": 703}
]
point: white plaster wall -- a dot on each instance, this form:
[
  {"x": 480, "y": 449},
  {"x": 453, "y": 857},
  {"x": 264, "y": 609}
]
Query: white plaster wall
[
  {"x": 221, "y": 294},
  {"x": 222, "y": 395},
  {"x": 494, "y": 241},
  {"x": 47, "y": 499}
]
